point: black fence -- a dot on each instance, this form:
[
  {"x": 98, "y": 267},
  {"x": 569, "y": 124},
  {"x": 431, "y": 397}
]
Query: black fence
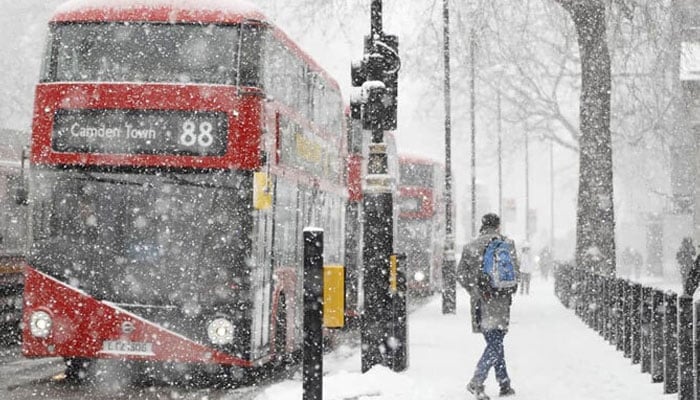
[{"x": 653, "y": 328}]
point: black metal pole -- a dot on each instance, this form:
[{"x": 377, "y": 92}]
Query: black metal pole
[
  {"x": 527, "y": 187},
  {"x": 602, "y": 306},
  {"x": 596, "y": 302},
  {"x": 376, "y": 28},
  {"x": 472, "y": 113},
  {"x": 551, "y": 195},
  {"x": 686, "y": 381},
  {"x": 588, "y": 311},
  {"x": 378, "y": 239},
  {"x": 603, "y": 316},
  {"x": 657, "y": 336},
  {"x": 398, "y": 339},
  {"x": 670, "y": 339},
  {"x": 608, "y": 304},
  {"x": 645, "y": 329},
  {"x": 500, "y": 155},
  {"x": 636, "y": 322},
  {"x": 313, "y": 315},
  {"x": 696, "y": 348},
  {"x": 593, "y": 312},
  {"x": 611, "y": 318},
  {"x": 627, "y": 319},
  {"x": 580, "y": 295},
  {"x": 619, "y": 314},
  {"x": 377, "y": 249},
  {"x": 449, "y": 291}
]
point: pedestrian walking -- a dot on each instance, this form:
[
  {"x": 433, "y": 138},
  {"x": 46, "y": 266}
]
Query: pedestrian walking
[
  {"x": 491, "y": 298},
  {"x": 526, "y": 268},
  {"x": 545, "y": 262}
]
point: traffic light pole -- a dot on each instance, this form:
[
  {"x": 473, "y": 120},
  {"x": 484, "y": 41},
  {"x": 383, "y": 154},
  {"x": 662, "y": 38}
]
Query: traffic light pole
[
  {"x": 378, "y": 233},
  {"x": 377, "y": 73}
]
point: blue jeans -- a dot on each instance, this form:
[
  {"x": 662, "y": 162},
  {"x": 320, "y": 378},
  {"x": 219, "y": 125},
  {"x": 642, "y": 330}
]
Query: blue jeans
[{"x": 493, "y": 357}]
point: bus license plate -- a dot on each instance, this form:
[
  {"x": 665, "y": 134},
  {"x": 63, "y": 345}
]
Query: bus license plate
[{"x": 126, "y": 347}]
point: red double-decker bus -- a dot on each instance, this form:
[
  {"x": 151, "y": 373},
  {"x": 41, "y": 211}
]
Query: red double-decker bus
[
  {"x": 421, "y": 222},
  {"x": 178, "y": 150}
]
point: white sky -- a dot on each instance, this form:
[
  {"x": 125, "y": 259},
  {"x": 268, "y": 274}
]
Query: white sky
[{"x": 550, "y": 354}]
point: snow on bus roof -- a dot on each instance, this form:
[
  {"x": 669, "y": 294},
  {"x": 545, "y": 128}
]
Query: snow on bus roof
[
  {"x": 228, "y": 6},
  {"x": 172, "y": 11},
  {"x": 415, "y": 159}
]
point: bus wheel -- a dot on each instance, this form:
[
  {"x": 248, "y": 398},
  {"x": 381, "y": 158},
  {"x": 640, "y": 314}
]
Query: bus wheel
[
  {"x": 78, "y": 370},
  {"x": 281, "y": 331}
]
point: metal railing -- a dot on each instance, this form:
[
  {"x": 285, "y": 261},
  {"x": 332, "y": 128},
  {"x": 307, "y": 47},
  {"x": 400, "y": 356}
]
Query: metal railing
[{"x": 659, "y": 330}]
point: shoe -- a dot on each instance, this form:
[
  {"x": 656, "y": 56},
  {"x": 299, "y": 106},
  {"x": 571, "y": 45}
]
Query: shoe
[
  {"x": 477, "y": 391},
  {"x": 506, "y": 391}
]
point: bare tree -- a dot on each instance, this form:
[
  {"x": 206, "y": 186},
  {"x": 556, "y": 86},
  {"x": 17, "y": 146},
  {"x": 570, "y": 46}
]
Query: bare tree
[{"x": 595, "y": 225}]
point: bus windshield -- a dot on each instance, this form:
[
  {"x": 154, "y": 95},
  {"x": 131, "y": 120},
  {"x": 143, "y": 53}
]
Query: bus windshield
[
  {"x": 140, "y": 52},
  {"x": 416, "y": 175},
  {"x": 140, "y": 238}
]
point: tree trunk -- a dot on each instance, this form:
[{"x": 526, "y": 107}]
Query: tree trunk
[{"x": 595, "y": 221}]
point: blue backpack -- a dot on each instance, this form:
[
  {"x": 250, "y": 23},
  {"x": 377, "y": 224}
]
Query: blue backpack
[{"x": 498, "y": 265}]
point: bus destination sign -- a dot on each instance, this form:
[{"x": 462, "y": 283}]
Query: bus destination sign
[{"x": 164, "y": 132}]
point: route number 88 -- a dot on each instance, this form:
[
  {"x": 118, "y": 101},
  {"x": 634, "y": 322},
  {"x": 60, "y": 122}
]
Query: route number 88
[{"x": 191, "y": 136}]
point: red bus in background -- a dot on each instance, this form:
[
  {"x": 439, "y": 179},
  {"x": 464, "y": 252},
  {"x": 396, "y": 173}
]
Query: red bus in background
[
  {"x": 13, "y": 232},
  {"x": 178, "y": 150},
  {"x": 421, "y": 222},
  {"x": 357, "y": 141}
]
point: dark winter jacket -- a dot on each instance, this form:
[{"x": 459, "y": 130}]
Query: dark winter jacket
[{"x": 489, "y": 310}]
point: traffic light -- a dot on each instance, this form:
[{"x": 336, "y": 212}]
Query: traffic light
[
  {"x": 377, "y": 73},
  {"x": 374, "y": 110},
  {"x": 388, "y": 47}
]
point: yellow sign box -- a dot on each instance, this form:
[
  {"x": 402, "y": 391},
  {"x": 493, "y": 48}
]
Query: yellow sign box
[
  {"x": 262, "y": 191},
  {"x": 333, "y": 296},
  {"x": 393, "y": 264}
]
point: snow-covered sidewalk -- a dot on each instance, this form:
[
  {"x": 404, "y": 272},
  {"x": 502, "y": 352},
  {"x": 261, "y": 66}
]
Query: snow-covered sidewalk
[{"x": 550, "y": 355}]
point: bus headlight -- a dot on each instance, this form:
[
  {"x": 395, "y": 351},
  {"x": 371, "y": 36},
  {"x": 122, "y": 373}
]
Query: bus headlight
[
  {"x": 220, "y": 331},
  {"x": 419, "y": 276},
  {"x": 40, "y": 324}
]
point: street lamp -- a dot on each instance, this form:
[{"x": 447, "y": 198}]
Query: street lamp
[
  {"x": 500, "y": 154},
  {"x": 551, "y": 194},
  {"x": 449, "y": 291},
  {"x": 472, "y": 113},
  {"x": 501, "y": 70},
  {"x": 527, "y": 188}
]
